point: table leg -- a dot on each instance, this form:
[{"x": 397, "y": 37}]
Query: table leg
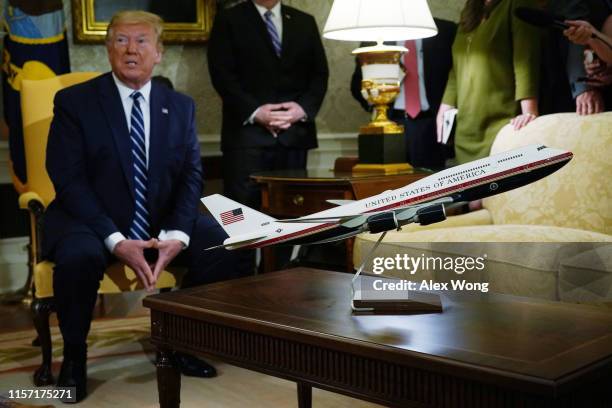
[
  {"x": 304, "y": 392},
  {"x": 268, "y": 259},
  {"x": 168, "y": 380},
  {"x": 350, "y": 244}
]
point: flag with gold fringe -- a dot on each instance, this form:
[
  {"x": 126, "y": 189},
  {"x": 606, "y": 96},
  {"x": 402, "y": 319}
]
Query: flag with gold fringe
[{"x": 35, "y": 47}]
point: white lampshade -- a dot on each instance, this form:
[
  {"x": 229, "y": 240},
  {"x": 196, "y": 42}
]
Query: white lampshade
[{"x": 376, "y": 20}]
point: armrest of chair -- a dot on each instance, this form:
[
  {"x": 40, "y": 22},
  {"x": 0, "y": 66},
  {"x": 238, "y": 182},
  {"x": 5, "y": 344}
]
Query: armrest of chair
[
  {"x": 35, "y": 205},
  {"x": 31, "y": 201}
]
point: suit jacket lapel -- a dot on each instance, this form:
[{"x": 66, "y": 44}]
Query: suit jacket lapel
[
  {"x": 158, "y": 142},
  {"x": 252, "y": 15},
  {"x": 288, "y": 26},
  {"x": 115, "y": 115},
  {"x": 428, "y": 53}
]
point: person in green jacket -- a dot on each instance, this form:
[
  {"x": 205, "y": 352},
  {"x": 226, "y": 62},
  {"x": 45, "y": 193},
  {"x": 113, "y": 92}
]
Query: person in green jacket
[{"x": 494, "y": 79}]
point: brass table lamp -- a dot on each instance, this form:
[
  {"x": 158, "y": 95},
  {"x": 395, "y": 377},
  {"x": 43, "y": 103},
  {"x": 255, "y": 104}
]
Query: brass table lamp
[{"x": 382, "y": 146}]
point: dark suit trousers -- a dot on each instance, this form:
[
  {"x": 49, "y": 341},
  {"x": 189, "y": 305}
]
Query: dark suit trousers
[
  {"x": 239, "y": 164},
  {"x": 81, "y": 258},
  {"x": 422, "y": 148}
]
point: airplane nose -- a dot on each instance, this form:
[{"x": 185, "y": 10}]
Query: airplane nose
[{"x": 566, "y": 154}]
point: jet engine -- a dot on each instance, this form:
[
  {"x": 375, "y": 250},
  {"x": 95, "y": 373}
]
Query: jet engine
[
  {"x": 382, "y": 222},
  {"x": 430, "y": 215}
]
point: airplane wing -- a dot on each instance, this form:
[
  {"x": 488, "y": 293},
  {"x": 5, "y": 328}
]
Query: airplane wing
[
  {"x": 235, "y": 243},
  {"x": 354, "y": 220},
  {"x": 349, "y": 221},
  {"x": 316, "y": 220}
]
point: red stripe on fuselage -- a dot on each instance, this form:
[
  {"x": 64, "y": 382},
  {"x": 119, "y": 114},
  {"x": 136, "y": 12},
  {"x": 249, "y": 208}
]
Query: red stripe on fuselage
[
  {"x": 418, "y": 199},
  {"x": 305, "y": 232}
]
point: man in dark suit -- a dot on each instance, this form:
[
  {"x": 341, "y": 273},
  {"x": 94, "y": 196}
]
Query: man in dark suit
[
  {"x": 125, "y": 163},
  {"x": 267, "y": 63},
  {"x": 435, "y": 61}
]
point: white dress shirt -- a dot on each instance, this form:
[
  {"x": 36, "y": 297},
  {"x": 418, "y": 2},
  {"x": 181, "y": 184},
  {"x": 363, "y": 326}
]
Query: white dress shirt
[
  {"x": 277, "y": 20},
  {"x": 400, "y": 101},
  {"x": 124, "y": 93}
]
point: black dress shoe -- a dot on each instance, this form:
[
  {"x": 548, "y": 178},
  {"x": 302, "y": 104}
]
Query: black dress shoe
[
  {"x": 73, "y": 374},
  {"x": 194, "y": 367}
]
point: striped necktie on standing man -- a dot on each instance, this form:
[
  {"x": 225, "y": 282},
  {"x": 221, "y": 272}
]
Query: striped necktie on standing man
[
  {"x": 276, "y": 42},
  {"x": 411, "y": 80},
  {"x": 140, "y": 227}
]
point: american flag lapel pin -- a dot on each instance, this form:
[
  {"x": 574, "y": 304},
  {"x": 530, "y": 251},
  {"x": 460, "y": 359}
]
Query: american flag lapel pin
[{"x": 165, "y": 111}]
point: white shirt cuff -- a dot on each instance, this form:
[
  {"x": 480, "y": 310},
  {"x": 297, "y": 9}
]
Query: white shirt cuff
[
  {"x": 112, "y": 240},
  {"x": 251, "y": 118},
  {"x": 174, "y": 234}
]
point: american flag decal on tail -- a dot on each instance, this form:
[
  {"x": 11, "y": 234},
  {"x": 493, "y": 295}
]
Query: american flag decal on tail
[{"x": 232, "y": 216}]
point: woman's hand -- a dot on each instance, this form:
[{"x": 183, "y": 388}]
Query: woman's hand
[
  {"x": 579, "y": 31},
  {"x": 522, "y": 120},
  {"x": 440, "y": 119},
  {"x": 529, "y": 111}
]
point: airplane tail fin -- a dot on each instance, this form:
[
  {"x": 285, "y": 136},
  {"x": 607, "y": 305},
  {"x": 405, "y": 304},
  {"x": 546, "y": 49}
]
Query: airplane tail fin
[{"x": 233, "y": 217}]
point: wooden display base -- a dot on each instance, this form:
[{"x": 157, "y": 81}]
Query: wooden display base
[
  {"x": 402, "y": 302},
  {"x": 386, "y": 169}
]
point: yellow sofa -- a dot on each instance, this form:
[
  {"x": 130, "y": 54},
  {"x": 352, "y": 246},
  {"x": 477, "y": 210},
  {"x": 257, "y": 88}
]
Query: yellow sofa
[{"x": 550, "y": 239}]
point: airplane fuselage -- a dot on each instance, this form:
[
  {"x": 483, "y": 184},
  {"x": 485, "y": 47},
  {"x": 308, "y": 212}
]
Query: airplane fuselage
[{"x": 471, "y": 181}]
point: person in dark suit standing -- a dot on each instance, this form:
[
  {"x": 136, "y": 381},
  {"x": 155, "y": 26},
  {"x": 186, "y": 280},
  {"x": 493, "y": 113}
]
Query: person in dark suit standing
[
  {"x": 433, "y": 63},
  {"x": 125, "y": 163},
  {"x": 267, "y": 63}
]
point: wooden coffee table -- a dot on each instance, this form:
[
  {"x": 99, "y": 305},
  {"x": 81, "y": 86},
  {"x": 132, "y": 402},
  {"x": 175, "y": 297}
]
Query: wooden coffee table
[{"x": 484, "y": 350}]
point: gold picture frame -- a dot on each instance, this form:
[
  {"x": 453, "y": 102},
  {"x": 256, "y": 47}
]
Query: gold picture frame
[{"x": 89, "y": 30}]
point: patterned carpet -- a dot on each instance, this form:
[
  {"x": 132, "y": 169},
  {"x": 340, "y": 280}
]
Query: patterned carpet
[
  {"x": 114, "y": 337},
  {"x": 121, "y": 374}
]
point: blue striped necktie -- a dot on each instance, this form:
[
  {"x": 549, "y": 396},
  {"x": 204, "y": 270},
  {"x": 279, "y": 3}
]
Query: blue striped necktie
[
  {"x": 276, "y": 42},
  {"x": 140, "y": 228}
]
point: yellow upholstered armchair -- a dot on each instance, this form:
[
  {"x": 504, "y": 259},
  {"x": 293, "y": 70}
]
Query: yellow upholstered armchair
[
  {"x": 37, "y": 111},
  {"x": 568, "y": 215}
]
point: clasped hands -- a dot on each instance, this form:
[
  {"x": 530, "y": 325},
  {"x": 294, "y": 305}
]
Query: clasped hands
[
  {"x": 131, "y": 253},
  {"x": 277, "y": 117}
]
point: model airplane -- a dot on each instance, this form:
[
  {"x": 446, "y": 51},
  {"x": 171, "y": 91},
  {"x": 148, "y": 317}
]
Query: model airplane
[{"x": 423, "y": 202}]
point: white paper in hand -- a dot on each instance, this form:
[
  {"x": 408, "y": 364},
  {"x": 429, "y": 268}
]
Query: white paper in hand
[{"x": 448, "y": 124}]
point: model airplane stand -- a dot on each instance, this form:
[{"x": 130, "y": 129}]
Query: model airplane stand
[{"x": 365, "y": 299}]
